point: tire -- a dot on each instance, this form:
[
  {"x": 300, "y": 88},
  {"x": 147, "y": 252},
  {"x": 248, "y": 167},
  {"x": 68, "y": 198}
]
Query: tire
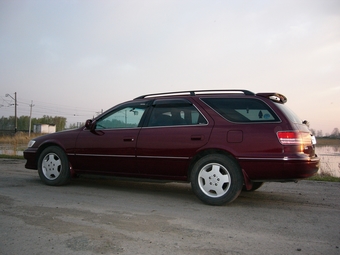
[
  {"x": 256, "y": 185},
  {"x": 216, "y": 179},
  {"x": 53, "y": 166}
]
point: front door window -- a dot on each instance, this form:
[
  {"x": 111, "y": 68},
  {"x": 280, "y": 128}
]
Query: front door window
[{"x": 127, "y": 117}]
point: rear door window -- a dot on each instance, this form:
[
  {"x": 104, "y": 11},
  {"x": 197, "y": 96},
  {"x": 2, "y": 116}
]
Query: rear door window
[
  {"x": 175, "y": 113},
  {"x": 242, "y": 109}
]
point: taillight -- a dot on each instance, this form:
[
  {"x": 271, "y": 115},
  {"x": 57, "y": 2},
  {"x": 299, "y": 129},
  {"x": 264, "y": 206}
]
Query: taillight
[
  {"x": 294, "y": 138},
  {"x": 289, "y": 137}
]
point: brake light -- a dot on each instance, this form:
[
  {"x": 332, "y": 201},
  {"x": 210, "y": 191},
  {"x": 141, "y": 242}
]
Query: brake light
[{"x": 289, "y": 137}]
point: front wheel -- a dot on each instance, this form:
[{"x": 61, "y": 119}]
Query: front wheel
[
  {"x": 216, "y": 179},
  {"x": 53, "y": 166}
]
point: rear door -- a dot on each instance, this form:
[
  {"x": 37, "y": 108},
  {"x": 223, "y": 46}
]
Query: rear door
[{"x": 175, "y": 130}]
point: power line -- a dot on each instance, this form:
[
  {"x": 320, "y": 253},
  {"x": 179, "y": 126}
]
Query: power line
[
  {"x": 15, "y": 110},
  {"x": 51, "y": 109},
  {"x": 41, "y": 108}
]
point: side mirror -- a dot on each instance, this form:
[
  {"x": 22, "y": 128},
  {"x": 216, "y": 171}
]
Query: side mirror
[
  {"x": 306, "y": 122},
  {"x": 88, "y": 124},
  {"x": 91, "y": 125}
]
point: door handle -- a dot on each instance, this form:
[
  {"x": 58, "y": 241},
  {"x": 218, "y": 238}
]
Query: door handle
[
  {"x": 128, "y": 139},
  {"x": 196, "y": 137}
]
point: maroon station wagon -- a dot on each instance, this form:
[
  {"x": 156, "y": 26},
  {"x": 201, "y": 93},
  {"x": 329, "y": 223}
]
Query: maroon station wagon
[{"x": 221, "y": 141}]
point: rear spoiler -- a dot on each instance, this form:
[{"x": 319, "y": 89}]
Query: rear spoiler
[{"x": 276, "y": 97}]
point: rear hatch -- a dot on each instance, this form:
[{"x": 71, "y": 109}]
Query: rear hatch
[{"x": 300, "y": 139}]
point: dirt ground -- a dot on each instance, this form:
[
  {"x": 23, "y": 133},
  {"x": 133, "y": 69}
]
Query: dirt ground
[{"x": 101, "y": 216}]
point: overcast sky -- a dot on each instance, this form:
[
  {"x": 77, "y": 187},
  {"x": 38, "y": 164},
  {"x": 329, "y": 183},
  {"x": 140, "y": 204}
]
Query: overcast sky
[{"x": 76, "y": 57}]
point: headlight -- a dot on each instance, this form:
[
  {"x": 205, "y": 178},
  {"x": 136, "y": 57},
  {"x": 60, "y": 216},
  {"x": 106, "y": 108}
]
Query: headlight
[{"x": 30, "y": 143}]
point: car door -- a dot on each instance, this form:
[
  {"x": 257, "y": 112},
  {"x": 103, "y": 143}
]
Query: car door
[
  {"x": 109, "y": 146},
  {"x": 176, "y": 129}
]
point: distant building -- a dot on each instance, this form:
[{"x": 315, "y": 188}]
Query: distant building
[{"x": 44, "y": 128}]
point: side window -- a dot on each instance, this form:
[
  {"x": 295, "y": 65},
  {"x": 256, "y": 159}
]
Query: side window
[
  {"x": 242, "y": 109},
  {"x": 126, "y": 117},
  {"x": 175, "y": 115}
]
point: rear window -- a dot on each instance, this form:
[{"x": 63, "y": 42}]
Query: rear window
[
  {"x": 289, "y": 114},
  {"x": 242, "y": 109}
]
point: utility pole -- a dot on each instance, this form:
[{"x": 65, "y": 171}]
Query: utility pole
[
  {"x": 15, "y": 110},
  {"x": 29, "y": 127}
]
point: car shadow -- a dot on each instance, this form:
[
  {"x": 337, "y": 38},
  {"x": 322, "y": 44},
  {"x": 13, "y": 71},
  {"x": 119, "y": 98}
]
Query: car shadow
[{"x": 177, "y": 191}]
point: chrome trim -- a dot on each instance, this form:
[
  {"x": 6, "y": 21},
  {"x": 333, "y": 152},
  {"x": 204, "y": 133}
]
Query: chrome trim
[
  {"x": 102, "y": 155},
  {"x": 163, "y": 157},
  {"x": 283, "y": 159},
  {"x": 176, "y": 126},
  {"x": 126, "y": 156},
  {"x": 261, "y": 158}
]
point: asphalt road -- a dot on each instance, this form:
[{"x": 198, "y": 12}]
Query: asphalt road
[{"x": 100, "y": 216}]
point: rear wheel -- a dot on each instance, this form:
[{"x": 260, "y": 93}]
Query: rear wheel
[
  {"x": 216, "y": 179},
  {"x": 53, "y": 166}
]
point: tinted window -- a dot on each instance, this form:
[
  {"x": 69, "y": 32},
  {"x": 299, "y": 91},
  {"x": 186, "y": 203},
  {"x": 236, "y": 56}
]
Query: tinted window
[
  {"x": 242, "y": 109},
  {"x": 174, "y": 115},
  {"x": 289, "y": 114},
  {"x": 127, "y": 117}
]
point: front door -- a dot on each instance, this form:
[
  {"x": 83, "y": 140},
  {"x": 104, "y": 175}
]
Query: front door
[{"x": 110, "y": 147}]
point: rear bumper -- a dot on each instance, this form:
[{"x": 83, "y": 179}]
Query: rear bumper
[
  {"x": 280, "y": 169},
  {"x": 301, "y": 169}
]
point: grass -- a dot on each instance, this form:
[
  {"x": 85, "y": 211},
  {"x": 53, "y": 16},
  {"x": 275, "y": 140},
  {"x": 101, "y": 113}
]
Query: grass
[
  {"x": 11, "y": 156},
  {"x": 324, "y": 178},
  {"x": 18, "y": 138},
  {"x": 327, "y": 141},
  {"x": 17, "y": 142}
]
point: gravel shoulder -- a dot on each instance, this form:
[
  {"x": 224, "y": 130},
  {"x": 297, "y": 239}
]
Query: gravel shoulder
[{"x": 112, "y": 216}]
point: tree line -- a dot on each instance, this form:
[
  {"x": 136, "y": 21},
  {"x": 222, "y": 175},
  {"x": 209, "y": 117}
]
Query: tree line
[
  {"x": 23, "y": 122},
  {"x": 318, "y": 133}
]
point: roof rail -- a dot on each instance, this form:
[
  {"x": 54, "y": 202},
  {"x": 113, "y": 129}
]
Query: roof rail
[{"x": 194, "y": 92}]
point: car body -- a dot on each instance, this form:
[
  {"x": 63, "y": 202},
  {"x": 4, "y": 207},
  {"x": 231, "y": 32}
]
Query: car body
[{"x": 222, "y": 141}]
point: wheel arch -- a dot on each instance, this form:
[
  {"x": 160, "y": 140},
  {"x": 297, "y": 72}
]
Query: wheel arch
[
  {"x": 208, "y": 177},
  {"x": 42, "y": 147},
  {"x": 65, "y": 172},
  {"x": 206, "y": 152},
  {"x": 201, "y": 154}
]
